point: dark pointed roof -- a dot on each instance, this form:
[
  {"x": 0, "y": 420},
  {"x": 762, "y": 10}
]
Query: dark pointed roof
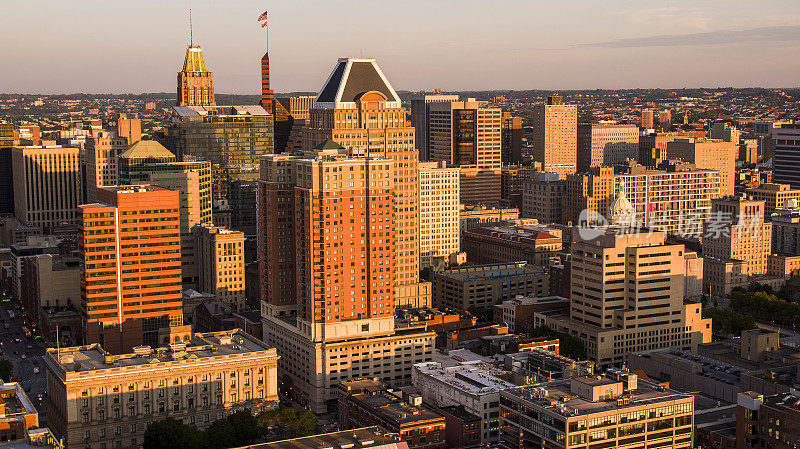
[
  {"x": 352, "y": 77},
  {"x": 329, "y": 145}
]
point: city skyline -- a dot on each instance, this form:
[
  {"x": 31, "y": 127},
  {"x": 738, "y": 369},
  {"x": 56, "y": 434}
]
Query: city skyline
[{"x": 577, "y": 45}]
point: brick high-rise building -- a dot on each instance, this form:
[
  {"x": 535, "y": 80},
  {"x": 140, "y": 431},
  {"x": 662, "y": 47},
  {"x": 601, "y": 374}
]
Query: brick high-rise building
[
  {"x": 328, "y": 232},
  {"x": 708, "y": 154},
  {"x": 359, "y": 109},
  {"x": 131, "y": 267},
  {"x": 555, "y": 136},
  {"x": 195, "y": 81},
  {"x": 420, "y": 120},
  {"x": 47, "y": 185}
]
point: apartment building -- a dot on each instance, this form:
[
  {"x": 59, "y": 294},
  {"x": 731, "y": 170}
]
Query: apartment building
[
  {"x": 327, "y": 257},
  {"x": 555, "y": 136},
  {"x": 735, "y": 232},
  {"x": 613, "y": 410},
  {"x": 606, "y": 144},
  {"x": 475, "y": 386},
  {"x": 613, "y": 320},
  {"x": 439, "y": 191},
  {"x": 708, "y": 154},
  {"x": 367, "y": 402},
  {"x": 543, "y": 198},
  {"x": 220, "y": 264},
  {"x": 47, "y": 185},
  {"x": 482, "y": 286},
  {"x": 106, "y": 401}
]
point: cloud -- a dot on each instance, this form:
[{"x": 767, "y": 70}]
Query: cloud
[
  {"x": 693, "y": 18},
  {"x": 722, "y": 37}
]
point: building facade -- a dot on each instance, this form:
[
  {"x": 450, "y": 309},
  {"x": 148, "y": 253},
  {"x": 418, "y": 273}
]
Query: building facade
[
  {"x": 131, "y": 266},
  {"x": 420, "y": 119},
  {"x": 484, "y": 286},
  {"x": 708, "y": 154},
  {"x": 786, "y": 155},
  {"x": 606, "y": 144},
  {"x": 543, "y": 198},
  {"x": 102, "y": 152},
  {"x": 195, "y": 81},
  {"x": 106, "y": 401},
  {"x": 555, "y": 136},
  {"x": 439, "y": 190},
  {"x": 220, "y": 264},
  {"x": 465, "y": 133}
]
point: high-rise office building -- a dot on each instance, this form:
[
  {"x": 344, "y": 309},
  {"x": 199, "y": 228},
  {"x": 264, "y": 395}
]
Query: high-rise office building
[
  {"x": 786, "y": 155},
  {"x": 47, "y": 185},
  {"x": 708, "y": 154},
  {"x": 230, "y": 137},
  {"x": 439, "y": 192},
  {"x": 647, "y": 119},
  {"x": 465, "y": 133},
  {"x": 131, "y": 267},
  {"x": 725, "y": 131},
  {"x": 135, "y": 163},
  {"x": 606, "y": 144},
  {"x": 6, "y": 134},
  {"x": 628, "y": 296},
  {"x": 328, "y": 232},
  {"x": 220, "y": 264},
  {"x": 102, "y": 153},
  {"x": 786, "y": 229},
  {"x": 6, "y": 180},
  {"x": 195, "y": 81},
  {"x": 736, "y": 231},
  {"x": 298, "y": 105},
  {"x": 512, "y": 139},
  {"x": 359, "y": 109},
  {"x": 129, "y": 126},
  {"x": 555, "y": 136},
  {"x": 420, "y": 119}
]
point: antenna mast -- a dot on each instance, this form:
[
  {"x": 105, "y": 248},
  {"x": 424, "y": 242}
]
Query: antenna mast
[{"x": 191, "y": 41}]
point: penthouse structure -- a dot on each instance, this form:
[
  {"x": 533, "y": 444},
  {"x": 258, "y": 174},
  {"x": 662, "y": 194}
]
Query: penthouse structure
[
  {"x": 131, "y": 267},
  {"x": 366, "y": 402},
  {"x": 627, "y": 293},
  {"x": 482, "y": 286},
  {"x": 99, "y": 399},
  {"x": 327, "y": 257},
  {"x": 472, "y": 385},
  {"x": 612, "y": 410},
  {"x": 536, "y": 244}
]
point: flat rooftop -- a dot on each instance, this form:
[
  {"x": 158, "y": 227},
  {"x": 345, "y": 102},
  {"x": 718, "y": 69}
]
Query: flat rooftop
[
  {"x": 495, "y": 270},
  {"x": 16, "y": 402},
  {"x": 397, "y": 410},
  {"x": 557, "y": 397},
  {"x": 367, "y": 437},
  {"x": 476, "y": 378},
  {"x": 201, "y": 345}
]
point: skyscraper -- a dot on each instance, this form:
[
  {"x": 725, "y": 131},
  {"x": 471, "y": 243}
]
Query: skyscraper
[
  {"x": 420, "y": 118},
  {"x": 230, "y": 137},
  {"x": 129, "y": 126},
  {"x": 131, "y": 267},
  {"x": 647, "y": 119},
  {"x": 47, "y": 185},
  {"x": 439, "y": 192},
  {"x": 786, "y": 151},
  {"x": 220, "y": 264},
  {"x": 465, "y": 133},
  {"x": 102, "y": 153},
  {"x": 359, "y": 109},
  {"x": 512, "y": 139},
  {"x": 555, "y": 136},
  {"x": 328, "y": 232},
  {"x": 195, "y": 81}
]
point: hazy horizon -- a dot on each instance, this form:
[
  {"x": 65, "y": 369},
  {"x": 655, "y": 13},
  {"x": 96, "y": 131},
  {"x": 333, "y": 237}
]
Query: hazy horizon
[{"x": 100, "y": 47}]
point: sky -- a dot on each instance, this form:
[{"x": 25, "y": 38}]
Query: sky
[{"x": 135, "y": 46}]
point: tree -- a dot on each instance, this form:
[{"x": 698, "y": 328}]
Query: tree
[
  {"x": 728, "y": 322},
  {"x": 5, "y": 370},
  {"x": 286, "y": 422},
  {"x": 568, "y": 345},
  {"x": 170, "y": 433}
]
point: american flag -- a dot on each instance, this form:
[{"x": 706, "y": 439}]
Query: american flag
[{"x": 263, "y": 17}]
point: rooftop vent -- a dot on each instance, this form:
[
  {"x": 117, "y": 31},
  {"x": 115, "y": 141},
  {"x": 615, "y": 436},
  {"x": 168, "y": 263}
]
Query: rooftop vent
[
  {"x": 109, "y": 360},
  {"x": 67, "y": 358},
  {"x": 366, "y": 442},
  {"x": 225, "y": 340},
  {"x": 142, "y": 350},
  {"x": 177, "y": 346}
]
